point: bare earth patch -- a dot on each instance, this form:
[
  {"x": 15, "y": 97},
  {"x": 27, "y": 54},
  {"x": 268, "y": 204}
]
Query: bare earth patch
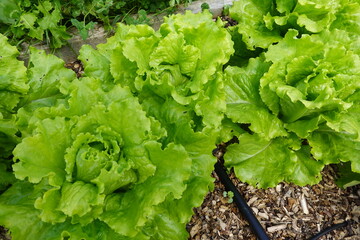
[{"x": 286, "y": 211}]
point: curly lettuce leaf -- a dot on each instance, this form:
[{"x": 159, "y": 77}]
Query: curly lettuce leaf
[
  {"x": 244, "y": 104},
  {"x": 128, "y": 212},
  {"x": 179, "y": 123},
  {"x": 13, "y": 80},
  {"x": 331, "y": 146},
  {"x": 13, "y": 87},
  {"x": 263, "y": 23},
  {"x": 250, "y": 14},
  {"x": 310, "y": 87},
  {"x": 348, "y": 19},
  {"x": 40, "y": 155},
  {"x": 265, "y": 163},
  {"x": 174, "y": 62},
  {"x": 195, "y": 27},
  {"x": 19, "y": 215},
  {"x": 309, "y": 78},
  {"x": 47, "y": 83},
  {"x": 95, "y": 64},
  {"x": 98, "y": 152}
]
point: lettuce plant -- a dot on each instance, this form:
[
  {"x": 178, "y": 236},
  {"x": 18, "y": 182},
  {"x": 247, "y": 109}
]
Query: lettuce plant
[
  {"x": 299, "y": 99},
  {"x": 121, "y": 153},
  {"x": 94, "y": 160},
  {"x": 93, "y": 168},
  {"x": 175, "y": 63},
  {"x": 124, "y": 152},
  {"x": 262, "y": 23},
  {"x": 13, "y": 86}
]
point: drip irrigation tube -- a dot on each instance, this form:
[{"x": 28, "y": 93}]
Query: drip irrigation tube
[
  {"x": 241, "y": 203},
  {"x": 329, "y": 229},
  {"x": 247, "y": 212}
]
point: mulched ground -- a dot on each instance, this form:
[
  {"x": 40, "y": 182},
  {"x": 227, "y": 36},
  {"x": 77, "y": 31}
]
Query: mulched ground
[
  {"x": 286, "y": 211},
  {"x": 3, "y": 234}
]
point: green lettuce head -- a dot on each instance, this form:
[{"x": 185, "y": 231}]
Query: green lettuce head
[
  {"x": 94, "y": 160},
  {"x": 262, "y": 23},
  {"x": 85, "y": 152},
  {"x": 300, "y": 104},
  {"x": 179, "y": 62},
  {"x": 23, "y": 90}
]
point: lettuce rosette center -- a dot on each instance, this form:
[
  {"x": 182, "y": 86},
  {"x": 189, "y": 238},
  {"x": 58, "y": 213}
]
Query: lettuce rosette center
[{"x": 94, "y": 156}]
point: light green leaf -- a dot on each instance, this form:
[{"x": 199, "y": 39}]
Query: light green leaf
[
  {"x": 13, "y": 80},
  {"x": 264, "y": 163},
  {"x": 244, "y": 104},
  {"x": 78, "y": 199},
  {"x": 42, "y": 155},
  {"x": 194, "y": 27},
  {"x": 303, "y": 128},
  {"x": 46, "y": 80},
  {"x": 25, "y": 223},
  {"x": 348, "y": 19},
  {"x": 95, "y": 64},
  {"x": 213, "y": 105},
  {"x": 138, "y": 50},
  {"x": 122, "y": 69},
  {"x": 249, "y": 14},
  {"x": 306, "y": 169},
  {"x": 172, "y": 50},
  {"x": 331, "y": 146},
  {"x": 316, "y": 16},
  {"x": 137, "y": 204}
]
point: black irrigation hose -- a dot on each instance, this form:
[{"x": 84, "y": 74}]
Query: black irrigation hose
[
  {"x": 247, "y": 212},
  {"x": 241, "y": 203},
  {"x": 329, "y": 229}
]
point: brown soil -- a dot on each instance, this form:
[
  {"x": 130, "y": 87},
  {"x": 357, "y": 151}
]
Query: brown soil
[
  {"x": 3, "y": 234},
  {"x": 286, "y": 211}
]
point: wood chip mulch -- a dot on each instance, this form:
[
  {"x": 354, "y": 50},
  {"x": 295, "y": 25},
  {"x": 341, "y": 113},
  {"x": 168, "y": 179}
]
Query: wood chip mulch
[
  {"x": 77, "y": 67},
  {"x": 3, "y": 234},
  {"x": 285, "y": 211}
]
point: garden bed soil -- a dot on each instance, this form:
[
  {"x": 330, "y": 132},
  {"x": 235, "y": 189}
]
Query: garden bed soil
[{"x": 286, "y": 211}]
